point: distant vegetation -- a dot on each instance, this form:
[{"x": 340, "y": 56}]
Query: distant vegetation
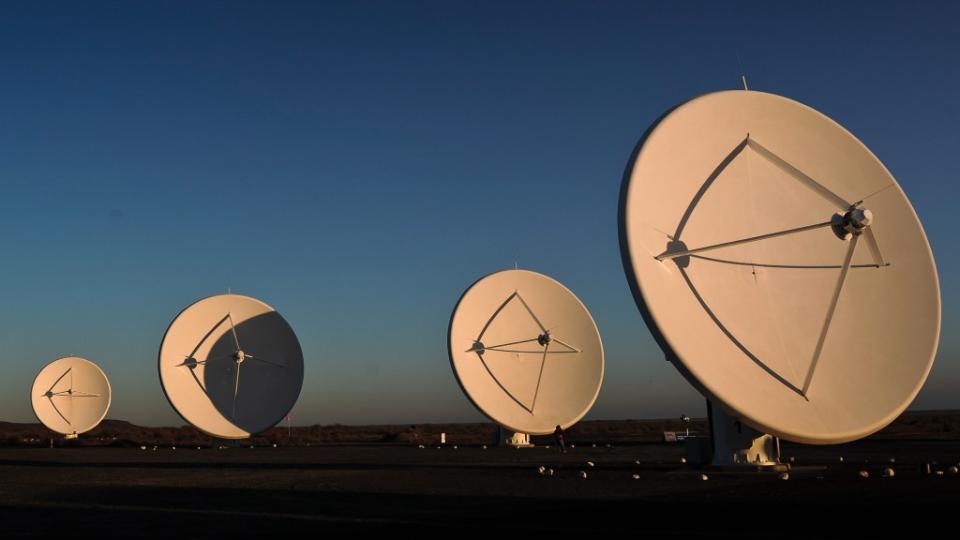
[{"x": 916, "y": 425}]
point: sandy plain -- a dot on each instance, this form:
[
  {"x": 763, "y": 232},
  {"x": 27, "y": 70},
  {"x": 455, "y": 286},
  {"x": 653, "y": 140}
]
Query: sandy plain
[{"x": 633, "y": 485}]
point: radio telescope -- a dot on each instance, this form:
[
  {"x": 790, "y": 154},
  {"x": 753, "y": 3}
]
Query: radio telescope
[
  {"x": 231, "y": 366},
  {"x": 782, "y": 270},
  {"x": 526, "y": 352},
  {"x": 71, "y": 395}
]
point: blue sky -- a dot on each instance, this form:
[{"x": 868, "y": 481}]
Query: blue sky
[{"x": 358, "y": 164}]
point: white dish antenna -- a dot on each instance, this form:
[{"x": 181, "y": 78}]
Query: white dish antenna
[
  {"x": 780, "y": 266},
  {"x": 70, "y": 395},
  {"x": 526, "y": 351},
  {"x": 231, "y": 366}
]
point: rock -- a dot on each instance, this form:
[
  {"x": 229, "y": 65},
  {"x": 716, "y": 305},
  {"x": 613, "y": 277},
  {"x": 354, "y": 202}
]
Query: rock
[{"x": 864, "y": 474}]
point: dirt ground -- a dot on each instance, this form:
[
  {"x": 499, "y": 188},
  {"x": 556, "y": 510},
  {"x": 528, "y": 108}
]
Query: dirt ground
[{"x": 642, "y": 488}]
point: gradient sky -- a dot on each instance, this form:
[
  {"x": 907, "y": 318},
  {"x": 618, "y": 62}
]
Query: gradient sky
[{"x": 358, "y": 164}]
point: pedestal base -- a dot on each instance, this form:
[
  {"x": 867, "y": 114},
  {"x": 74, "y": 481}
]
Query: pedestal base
[
  {"x": 518, "y": 440},
  {"x": 737, "y": 444}
]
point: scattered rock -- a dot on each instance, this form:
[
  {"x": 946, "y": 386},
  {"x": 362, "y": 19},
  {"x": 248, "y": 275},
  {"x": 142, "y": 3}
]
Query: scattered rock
[
  {"x": 583, "y": 474},
  {"x": 683, "y": 460},
  {"x": 864, "y": 474},
  {"x": 784, "y": 476},
  {"x": 636, "y": 477},
  {"x": 541, "y": 470},
  {"x": 889, "y": 473},
  {"x": 590, "y": 464},
  {"x": 704, "y": 476}
]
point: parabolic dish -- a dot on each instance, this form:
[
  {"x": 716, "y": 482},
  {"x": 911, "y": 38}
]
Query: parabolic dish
[
  {"x": 526, "y": 351},
  {"x": 70, "y": 395},
  {"x": 780, "y": 266},
  {"x": 231, "y": 366}
]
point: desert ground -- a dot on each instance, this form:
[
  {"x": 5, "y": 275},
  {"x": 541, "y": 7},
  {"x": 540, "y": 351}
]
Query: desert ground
[{"x": 123, "y": 479}]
